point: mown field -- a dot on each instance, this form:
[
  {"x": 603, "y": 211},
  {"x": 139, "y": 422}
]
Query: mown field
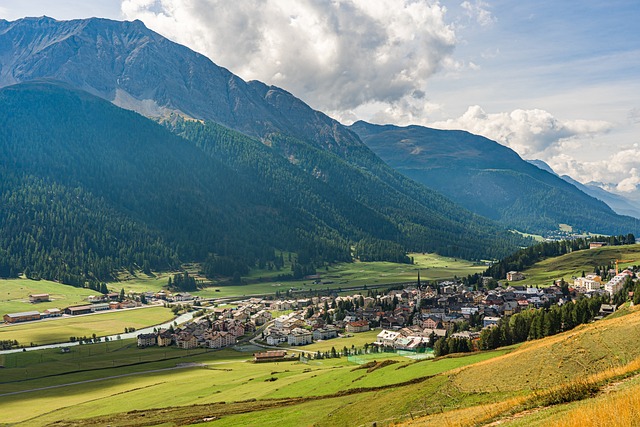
[
  {"x": 108, "y": 323},
  {"x": 572, "y": 265}
]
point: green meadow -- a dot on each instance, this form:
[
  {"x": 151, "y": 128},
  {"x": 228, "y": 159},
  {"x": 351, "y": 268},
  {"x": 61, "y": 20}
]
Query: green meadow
[
  {"x": 343, "y": 275},
  {"x": 102, "y": 324},
  {"x": 14, "y": 295},
  {"x": 574, "y": 264},
  {"x": 223, "y": 376}
]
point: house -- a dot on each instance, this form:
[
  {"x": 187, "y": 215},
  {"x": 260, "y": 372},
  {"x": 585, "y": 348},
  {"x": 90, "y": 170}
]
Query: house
[
  {"x": 607, "y": 309},
  {"x": 34, "y": 298},
  {"x": 165, "y": 338},
  {"x": 79, "y": 309},
  {"x": 25, "y": 316},
  {"x": 52, "y": 312},
  {"x": 275, "y": 338},
  {"x": 432, "y": 322},
  {"x": 219, "y": 339},
  {"x": 325, "y": 333},
  {"x": 269, "y": 356},
  {"x": 236, "y": 330},
  {"x": 596, "y": 245},
  {"x": 387, "y": 338},
  {"x": 299, "y": 336},
  {"x": 489, "y": 320},
  {"x": 357, "y": 326},
  {"x": 186, "y": 341},
  {"x": 514, "y": 276},
  {"x": 147, "y": 340}
]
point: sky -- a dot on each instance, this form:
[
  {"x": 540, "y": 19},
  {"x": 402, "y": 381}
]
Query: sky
[{"x": 554, "y": 80}]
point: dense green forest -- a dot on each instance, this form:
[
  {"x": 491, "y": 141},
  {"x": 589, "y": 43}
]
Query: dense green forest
[
  {"x": 88, "y": 188},
  {"x": 367, "y": 201}
]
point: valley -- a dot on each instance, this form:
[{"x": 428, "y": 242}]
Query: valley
[{"x": 182, "y": 246}]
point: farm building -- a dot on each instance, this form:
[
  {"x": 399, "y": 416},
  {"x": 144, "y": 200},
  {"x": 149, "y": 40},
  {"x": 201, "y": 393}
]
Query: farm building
[
  {"x": 81, "y": 309},
  {"x": 269, "y": 356},
  {"x": 33, "y": 298},
  {"x": 25, "y": 316}
]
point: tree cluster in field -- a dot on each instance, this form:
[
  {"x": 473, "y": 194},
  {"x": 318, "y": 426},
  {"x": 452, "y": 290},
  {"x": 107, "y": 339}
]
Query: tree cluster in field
[
  {"x": 182, "y": 282},
  {"x": 444, "y": 346},
  {"x": 528, "y": 256},
  {"x": 8, "y": 344}
]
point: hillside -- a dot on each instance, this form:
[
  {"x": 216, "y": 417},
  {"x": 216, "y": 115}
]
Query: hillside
[
  {"x": 491, "y": 180},
  {"x": 88, "y": 188},
  {"x": 620, "y": 204},
  {"x": 573, "y": 264}
]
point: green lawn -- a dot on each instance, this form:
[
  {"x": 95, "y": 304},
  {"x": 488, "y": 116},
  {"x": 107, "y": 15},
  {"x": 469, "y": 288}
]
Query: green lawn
[
  {"x": 14, "y": 295},
  {"x": 108, "y": 323},
  {"x": 572, "y": 265}
]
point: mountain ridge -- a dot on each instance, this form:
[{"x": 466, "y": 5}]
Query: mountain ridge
[{"x": 491, "y": 180}]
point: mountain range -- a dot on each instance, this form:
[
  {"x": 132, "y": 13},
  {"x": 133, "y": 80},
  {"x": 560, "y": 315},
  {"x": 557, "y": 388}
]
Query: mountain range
[
  {"x": 227, "y": 169},
  {"x": 491, "y": 180},
  {"x": 620, "y": 204}
]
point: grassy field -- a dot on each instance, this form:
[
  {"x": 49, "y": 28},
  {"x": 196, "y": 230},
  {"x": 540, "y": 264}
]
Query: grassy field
[
  {"x": 14, "y": 295},
  {"x": 431, "y": 266},
  {"x": 109, "y": 323},
  {"x": 227, "y": 377},
  {"x": 573, "y": 264},
  {"x": 227, "y": 389}
]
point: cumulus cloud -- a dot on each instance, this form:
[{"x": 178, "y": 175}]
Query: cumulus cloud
[
  {"x": 531, "y": 133},
  {"x": 620, "y": 173},
  {"x": 479, "y": 11},
  {"x": 337, "y": 55}
]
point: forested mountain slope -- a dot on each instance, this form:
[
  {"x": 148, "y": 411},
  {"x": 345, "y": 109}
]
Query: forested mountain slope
[
  {"x": 88, "y": 187},
  {"x": 491, "y": 180}
]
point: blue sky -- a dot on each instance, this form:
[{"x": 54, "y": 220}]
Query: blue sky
[{"x": 555, "y": 80}]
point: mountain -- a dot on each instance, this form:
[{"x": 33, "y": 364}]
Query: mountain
[
  {"x": 491, "y": 180},
  {"x": 337, "y": 184},
  {"x": 138, "y": 69},
  {"x": 620, "y": 204},
  {"x": 88, "y": 188}
]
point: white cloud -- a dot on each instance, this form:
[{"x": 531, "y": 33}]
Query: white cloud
[
  {"x": 338, "y": 55},
  {"x": 620, "y": 173},
  {"x": 531, "y": 133},
  {"x": 479, "y": 11}
]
